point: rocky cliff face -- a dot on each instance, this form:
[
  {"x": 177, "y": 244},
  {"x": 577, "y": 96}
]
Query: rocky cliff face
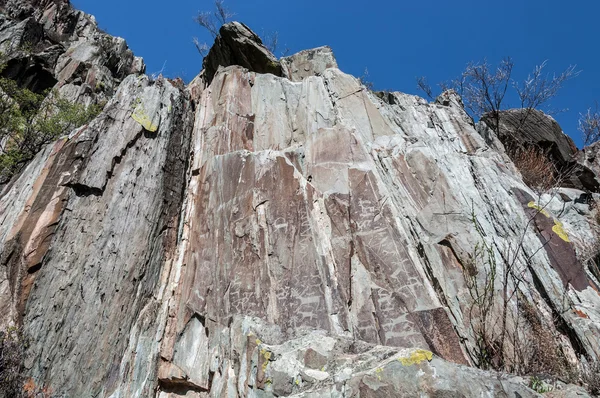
[{"x": 275, "y": 228}]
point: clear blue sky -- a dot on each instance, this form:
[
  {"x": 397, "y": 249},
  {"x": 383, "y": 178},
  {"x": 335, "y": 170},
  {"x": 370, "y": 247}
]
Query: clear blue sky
[{"x": 396, "y": 40}]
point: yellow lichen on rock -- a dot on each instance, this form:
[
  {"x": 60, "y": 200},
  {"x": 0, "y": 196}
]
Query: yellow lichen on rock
[
  {"x": 560, "y": 231},
  {"x": 267, "y": 356},
  {"x": 416, "y": 357},
  {"x": 140, "y": 116},
  {"x": 558, "y": 226},
  {"x": 539, "y": 208}
]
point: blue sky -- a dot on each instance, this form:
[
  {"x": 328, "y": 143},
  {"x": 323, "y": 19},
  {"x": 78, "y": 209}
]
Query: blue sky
[{"x": 396, "y": 40}]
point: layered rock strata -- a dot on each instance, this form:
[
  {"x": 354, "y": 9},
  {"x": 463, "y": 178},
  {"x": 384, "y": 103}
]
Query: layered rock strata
[{"x": 282, "y": 233}]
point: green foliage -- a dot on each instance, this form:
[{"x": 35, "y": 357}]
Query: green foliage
[
  {"x": 28, "y": 121},
  {"x": 538, "y": 385}
]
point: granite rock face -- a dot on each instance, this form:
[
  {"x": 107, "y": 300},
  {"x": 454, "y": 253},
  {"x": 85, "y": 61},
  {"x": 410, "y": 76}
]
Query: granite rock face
[{"x": 283, "y": 232}]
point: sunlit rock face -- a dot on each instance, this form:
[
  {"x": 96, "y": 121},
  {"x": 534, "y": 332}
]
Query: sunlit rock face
[{"x": 285, "y": 233}]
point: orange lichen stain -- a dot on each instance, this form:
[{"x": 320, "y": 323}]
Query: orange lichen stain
[{"x": 581, "y": 314}]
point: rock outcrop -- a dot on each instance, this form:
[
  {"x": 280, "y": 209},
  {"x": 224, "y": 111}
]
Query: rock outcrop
[
  {"x": 279, "y": 230},
  {"x": 519, "y": 129},
  {"x": 236, "y": 44},
  {"x": 48, "y": 44}
]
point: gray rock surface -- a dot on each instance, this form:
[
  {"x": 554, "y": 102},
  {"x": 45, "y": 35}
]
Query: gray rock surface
[
  {"x": 281, "y": 232},
  {"x": 308, "y": 63}
]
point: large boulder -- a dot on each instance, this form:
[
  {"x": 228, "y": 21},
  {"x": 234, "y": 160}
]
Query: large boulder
[
  {"x": 526, "y": 127},
  {"x": 520, "y": 130},
  {"x": 236, "y": 44},
  {"x": 588, "y": 160}
]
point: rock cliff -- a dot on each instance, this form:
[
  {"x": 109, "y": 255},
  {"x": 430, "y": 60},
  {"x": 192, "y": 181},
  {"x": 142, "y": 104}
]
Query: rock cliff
[{"x": 275, "y": 228}]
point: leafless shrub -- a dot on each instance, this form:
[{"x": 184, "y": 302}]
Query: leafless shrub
[
  {"x": 483, "y": 87},
  {"x": 202, "y": 48},
  {"x": 425, "y": 87},
  {"x": 365, "y": 81},
  {"x": 501, "y": 320},
  {"x": 538, "y": 88},
  {"x": 271, "y": 41},
  {"x": 212, "y": 22},
  {"x": 540, "y": 355},
  {"x": 589, "y": 125},
  {"x": 535, "y": 166}
]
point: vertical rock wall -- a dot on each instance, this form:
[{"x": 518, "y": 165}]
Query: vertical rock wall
[{"x": 275, "y": 235}]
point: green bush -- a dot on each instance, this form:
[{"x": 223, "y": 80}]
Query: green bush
[{"x": 28, "y": 121}]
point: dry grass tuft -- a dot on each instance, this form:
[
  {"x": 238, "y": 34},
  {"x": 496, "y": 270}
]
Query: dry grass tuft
[{"x": 535, "y": 166}]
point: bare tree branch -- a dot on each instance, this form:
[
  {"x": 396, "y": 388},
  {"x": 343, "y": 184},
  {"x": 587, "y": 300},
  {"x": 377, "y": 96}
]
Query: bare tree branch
[
  {"x": 539, "y": 88},
  {"x": 589, "y": 125},
  {"x": 271, "y": 41},
  {"x": 213, "y": 20},
  {"x": 222, "y": 14},
  {"x": 201, "y": 47},
  {"x": 425, "y": 87}
]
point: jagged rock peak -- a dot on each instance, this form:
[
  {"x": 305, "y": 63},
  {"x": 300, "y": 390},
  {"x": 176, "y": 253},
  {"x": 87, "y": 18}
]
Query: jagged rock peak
[
  {"x": 237, "y": 44},
  {"x": 49, "y": 44}
]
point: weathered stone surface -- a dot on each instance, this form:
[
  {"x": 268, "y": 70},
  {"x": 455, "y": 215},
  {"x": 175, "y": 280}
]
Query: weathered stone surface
[
  {"x": 137, "y": 194},
  {"x": 294, "y": 235},
  {"x": 308, "y": 63},
  {"x": 236, "y": 44},
  {"x": 588, "y": 167}
]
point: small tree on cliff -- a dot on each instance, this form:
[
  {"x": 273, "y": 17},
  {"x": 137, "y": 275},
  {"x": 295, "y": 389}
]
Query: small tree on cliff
[
  {"x": 484, "y": 87},
  {"x": 589, "y": 125},
  {"x": 212, "y": 22}
]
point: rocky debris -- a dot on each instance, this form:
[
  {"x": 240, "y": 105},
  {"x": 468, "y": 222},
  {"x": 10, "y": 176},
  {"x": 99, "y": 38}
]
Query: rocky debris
[
  {"x": 236, "y": 44},
  {"x": 308, "y": 63},
  {"x": 282, "y": 233}
]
